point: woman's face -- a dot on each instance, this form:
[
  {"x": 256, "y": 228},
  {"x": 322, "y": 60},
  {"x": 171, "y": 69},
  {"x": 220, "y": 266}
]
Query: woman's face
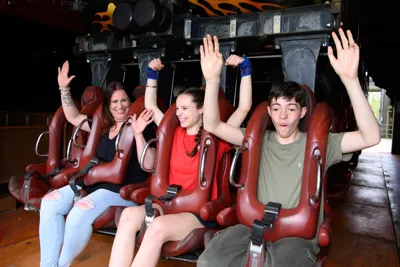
[
  {"x": 119, "y": 105},
  {"x": 187, "y": 111}
]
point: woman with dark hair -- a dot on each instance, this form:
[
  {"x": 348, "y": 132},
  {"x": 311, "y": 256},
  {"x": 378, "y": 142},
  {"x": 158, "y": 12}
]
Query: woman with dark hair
[
  {"x": 183, "y": 170},
  {"x": 73, "y": 234}
]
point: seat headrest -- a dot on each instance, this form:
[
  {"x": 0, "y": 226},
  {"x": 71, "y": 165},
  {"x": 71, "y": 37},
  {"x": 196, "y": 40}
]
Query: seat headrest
[
  {"x": 139, "y": 91},
  {"x": 311, "y": 102},
  {"x": 221, "y": 93},
  {"x": 91, "y": 94}
]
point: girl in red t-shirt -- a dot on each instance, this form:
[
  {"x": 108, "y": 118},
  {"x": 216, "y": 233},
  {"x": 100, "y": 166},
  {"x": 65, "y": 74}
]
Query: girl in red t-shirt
[{"x": 183, "y": 167}]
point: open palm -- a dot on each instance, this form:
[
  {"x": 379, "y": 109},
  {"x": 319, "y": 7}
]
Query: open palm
[
  {"x": 63, "y": 79},
  {"x": 211, "y": 59},
  {"x": 140, "y": 123},
  {"x": 348, "y": 55}
]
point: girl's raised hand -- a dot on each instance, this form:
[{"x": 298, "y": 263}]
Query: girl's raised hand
[
  {"x": 210, "y": 58},
  {"x": 156, "y": 64},
  {"x": 234, "y": 61}
]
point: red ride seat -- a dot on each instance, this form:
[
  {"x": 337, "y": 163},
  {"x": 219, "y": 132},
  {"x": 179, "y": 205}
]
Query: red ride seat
[
  {"x": 339, "y": 176},
  {"x": 301, "y": 221},
  {"x": 92, "y": 171},
  {"x": 197, "y": 200},
  {"x": 40, "y": 178},
  {"x": 110, "y": 172}
]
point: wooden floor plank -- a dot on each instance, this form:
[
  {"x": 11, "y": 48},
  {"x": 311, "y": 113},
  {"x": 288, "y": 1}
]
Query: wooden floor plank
[{"x": 363, "y": 232}]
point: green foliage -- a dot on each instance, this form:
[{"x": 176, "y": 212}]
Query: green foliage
[{"x": 374, "y": 99}]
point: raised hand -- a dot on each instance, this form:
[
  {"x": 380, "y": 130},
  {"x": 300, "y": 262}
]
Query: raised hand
[
  {"x": 140, "y": 123},
  {"x": 348, "y": 55},
  {"x": 211, "y": 59},
  {"x": 156, "y": 64},
  {"x": 234, "y": 61},
  {"x": 63, "y": 79}
]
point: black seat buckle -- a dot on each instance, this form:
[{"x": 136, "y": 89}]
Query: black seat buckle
[
  {"x": 271, "y": 212},
  {"x": 72, "y": 182},
  {"x": 172, "y": 191},
  {"x": 148, "y": 205},
  {"x": 257, "y": 233}
]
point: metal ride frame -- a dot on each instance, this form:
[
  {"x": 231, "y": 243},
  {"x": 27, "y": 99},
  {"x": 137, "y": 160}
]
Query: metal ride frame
[{"x": 295, "y": 34}]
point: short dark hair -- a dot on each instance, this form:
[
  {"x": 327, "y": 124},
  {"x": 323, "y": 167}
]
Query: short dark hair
[{"x": 288, "y": 90}]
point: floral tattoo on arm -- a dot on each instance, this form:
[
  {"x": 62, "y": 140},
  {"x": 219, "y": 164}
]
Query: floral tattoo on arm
[{"x": 67, "y": 98}]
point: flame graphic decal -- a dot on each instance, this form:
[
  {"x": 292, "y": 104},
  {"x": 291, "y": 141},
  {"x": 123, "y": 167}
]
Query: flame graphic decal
[
  {"x": 106, "y": 23},
  {"x": 215, "y": 4}
]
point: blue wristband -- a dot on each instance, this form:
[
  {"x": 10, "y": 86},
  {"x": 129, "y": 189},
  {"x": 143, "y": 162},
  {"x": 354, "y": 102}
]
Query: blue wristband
[
  {"x": 246, "y": 68},
  {"x": 152, "y": 74}
]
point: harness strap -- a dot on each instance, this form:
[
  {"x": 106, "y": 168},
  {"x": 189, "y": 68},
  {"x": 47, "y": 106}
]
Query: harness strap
[
  {"x": 44, "y": 177},
  {"x": 27, "y": 183},
  {"x": 172, "y": 191},
  {"x": 72, "y": 182},
  {"x": 271, "y": 212}
]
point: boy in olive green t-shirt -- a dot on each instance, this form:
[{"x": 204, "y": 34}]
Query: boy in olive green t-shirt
[{"x": 283, "y": 151}]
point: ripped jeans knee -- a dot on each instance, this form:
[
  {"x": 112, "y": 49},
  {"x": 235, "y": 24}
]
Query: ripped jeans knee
[
  {"x": 85, "y": 203},
  {"x": 58, "y": 201},
  {"x": 53, "y": 195}
]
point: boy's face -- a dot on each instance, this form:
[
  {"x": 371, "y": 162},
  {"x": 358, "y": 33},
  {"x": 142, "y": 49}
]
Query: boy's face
[{"x": 285, "y": 115}]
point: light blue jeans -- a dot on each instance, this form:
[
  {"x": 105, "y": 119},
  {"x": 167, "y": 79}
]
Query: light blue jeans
[{"x": 72, "y": 234}]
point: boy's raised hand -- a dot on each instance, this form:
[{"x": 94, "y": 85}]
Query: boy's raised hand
[
  {"x": 348, "y": 55},
  {"x": 210, "y": 59},
  {"x": 234, "y": 61},
  {"x": 156, "y": 64},
  {"x": 63, "y": 79}
]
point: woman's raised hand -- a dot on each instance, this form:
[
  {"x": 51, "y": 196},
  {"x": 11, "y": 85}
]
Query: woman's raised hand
[
  {"x": 63, "y": 79},
  {"x": 140, "y": 123}
]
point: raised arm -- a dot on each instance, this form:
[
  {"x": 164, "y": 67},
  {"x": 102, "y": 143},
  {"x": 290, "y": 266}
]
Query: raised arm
[
  {"x": 138, "y": 125},
  {"x": 245, "y": 91},
  {"x": 211, "y": 66},
  {"x": 346, "y": 66},
  {"x": 70, "y": 110},
  {"x": 150, "y": 96}
]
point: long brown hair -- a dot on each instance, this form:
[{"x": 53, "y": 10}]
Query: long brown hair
[
  {"x": 108, "y": 118},
  {"x": 198, "y": 98}
]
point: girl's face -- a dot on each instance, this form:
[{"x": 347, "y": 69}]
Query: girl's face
[{"x": 188, "y": 114}]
